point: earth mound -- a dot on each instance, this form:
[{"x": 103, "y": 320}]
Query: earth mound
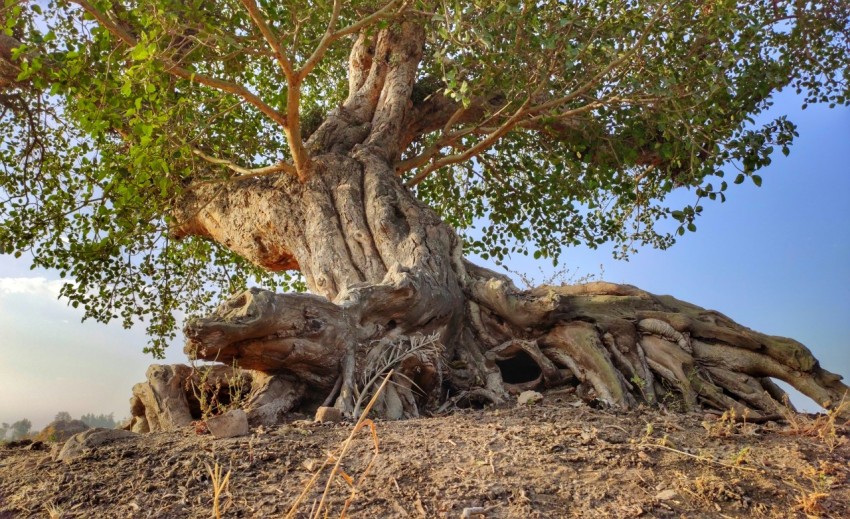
[
  {"x": 554, "y": 458},
  {"x": 61, "y": 430}
]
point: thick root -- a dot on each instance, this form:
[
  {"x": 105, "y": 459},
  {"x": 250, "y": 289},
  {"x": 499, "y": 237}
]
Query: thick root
[
  {"x": 630, "y": 346},
  {"x": 618, "y": 344}
]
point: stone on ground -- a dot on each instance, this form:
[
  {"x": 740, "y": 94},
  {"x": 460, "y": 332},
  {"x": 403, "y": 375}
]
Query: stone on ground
[
  {"x": 91, "y": 438},
  {"x": 328, "y": 415},
  {"x": 229, "y": 425}
]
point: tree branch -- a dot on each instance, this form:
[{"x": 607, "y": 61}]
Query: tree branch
[
  {"x": 255, "y": 172},
  {"x": 328, "y": 38},
  {"x": 176, "y": 70},
  {"x": 292, "y": 128},
  {"x": 523, "y": 117},
  {"x": 271, "y": 39},
  {"x": 372, "y": 18},
  {"x": 479, "y": 147}
]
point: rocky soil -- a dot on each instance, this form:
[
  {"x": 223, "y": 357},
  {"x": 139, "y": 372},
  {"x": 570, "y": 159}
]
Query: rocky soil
[{"x": 558, "y": 458}]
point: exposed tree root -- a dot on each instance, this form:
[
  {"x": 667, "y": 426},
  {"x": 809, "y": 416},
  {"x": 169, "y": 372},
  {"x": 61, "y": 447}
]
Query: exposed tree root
[
  {"x": 631, "y": 346},
  {"x": 618, "y": 344}
]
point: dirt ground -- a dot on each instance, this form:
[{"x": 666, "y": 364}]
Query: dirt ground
[{"x": 559, "y": 458}]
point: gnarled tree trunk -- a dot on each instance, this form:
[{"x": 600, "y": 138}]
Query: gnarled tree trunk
[
  {"x": 383, "y": 270},
  {"x": 382, "y": 266}
]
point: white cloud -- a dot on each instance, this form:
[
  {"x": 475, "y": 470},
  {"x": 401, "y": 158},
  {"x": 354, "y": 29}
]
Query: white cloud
[{"x": 30, "y": 285}]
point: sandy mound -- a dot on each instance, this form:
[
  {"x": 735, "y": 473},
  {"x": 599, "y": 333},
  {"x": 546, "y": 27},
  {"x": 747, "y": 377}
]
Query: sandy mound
[{"x": 555, "y": 459}]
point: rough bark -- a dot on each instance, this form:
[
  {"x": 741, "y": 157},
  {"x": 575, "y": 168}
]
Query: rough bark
[{"x": 390, "y": 290}]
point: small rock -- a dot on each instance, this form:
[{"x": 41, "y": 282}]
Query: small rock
[
  {"x": 312, "y": 465},
  {"x": 666, "y": 495},
  {"x": 83, "y": 441},
  {"x": 328, "y": 415},
  {"x": 474, "y": 511},
  {"x": 529, "y": 398},
  {"x": 229, "y": 425}
]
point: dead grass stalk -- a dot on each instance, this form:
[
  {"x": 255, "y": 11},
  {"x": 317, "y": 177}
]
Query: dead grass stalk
[
  {"x": 220, "y": 486},
  {"x": 336, "y": 459}
]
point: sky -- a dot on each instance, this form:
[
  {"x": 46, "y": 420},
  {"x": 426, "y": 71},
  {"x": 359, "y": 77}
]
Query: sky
[{"x": 774, "y": 258}]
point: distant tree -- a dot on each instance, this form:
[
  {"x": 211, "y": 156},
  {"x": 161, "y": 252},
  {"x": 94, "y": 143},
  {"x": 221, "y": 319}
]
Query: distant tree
[
  {"x": 20, "y": 429},
  {"x": 101, "y": 420},
  {"x": 3, "y": 429},
  {"x": 62, "y": 416}
]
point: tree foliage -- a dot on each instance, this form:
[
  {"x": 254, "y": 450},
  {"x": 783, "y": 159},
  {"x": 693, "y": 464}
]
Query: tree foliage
[
  {"x": 101, "y": 420},
  {"x": 62, "y": 416},
  {"x": 20, "y": 429},
  {"x": 536, "y": 124}
]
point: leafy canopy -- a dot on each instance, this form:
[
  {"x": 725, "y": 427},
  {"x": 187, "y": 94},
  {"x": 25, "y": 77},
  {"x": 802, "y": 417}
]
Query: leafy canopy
[{"x": 574, "y": 120}]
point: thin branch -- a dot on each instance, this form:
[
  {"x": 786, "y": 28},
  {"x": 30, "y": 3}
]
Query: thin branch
[
  {"x": 446, "y": 139},
  {"x": 479, "y": 147},
  {"x": 323, "y": 45},
  {"x": 524, "y": 115},
  {"x": 372, "y": 18},
  {"x": 292, "y": 129},
  {"x": 255, "y": 172},
  {"x": 432, "y": 151},
  {"x": 271, "y": 39},
  {"x": 599, "y": 75},
  {"x": 171, "y": 67}
]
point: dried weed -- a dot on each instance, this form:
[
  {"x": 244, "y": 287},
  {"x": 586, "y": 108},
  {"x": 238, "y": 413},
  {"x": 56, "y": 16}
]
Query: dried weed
[
  {"x": 825, "y": 426},
  {"x": 336, "y": 459},
  {"x": 221, "y": 485}
]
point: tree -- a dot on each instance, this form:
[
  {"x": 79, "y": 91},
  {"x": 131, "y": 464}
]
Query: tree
[
  {"x": 20, "y": 429},
  {"x": 4, "y": 428},
  {"x": 164, "y": 153},
  {"x": 100, "y": 420},
  {"x": 62, "y": 416}
]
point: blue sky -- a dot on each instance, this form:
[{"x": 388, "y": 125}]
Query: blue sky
[{"x": 775, "y": 259}]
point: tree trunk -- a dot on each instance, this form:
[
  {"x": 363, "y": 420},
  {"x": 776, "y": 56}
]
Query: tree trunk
[
  {"x": 390, "y": 289},
  {"x": 381, "y": 264}
]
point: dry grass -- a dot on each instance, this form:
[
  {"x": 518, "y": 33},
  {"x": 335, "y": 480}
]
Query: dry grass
[
  {"x": 53, "y": 511},
  {"x": 824, "y": 426},
  {"x": 809, "y": 499},
  {"x": 387, "y": 355},
  {"x": 336, "y": 459},
  {"x": 207, "y": 393},
  {"x": 709, "y": 489},
  {"x": 729, "y": 424},
  {"x": 742, "y": 456},
  {"x": 221, "y": 486}
]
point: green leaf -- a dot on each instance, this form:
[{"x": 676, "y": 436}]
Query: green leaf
[{"x": 140, "y": 52}]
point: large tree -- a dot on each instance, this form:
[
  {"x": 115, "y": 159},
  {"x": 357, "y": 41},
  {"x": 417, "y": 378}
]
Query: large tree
[{"x": 162, "y": 153}]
